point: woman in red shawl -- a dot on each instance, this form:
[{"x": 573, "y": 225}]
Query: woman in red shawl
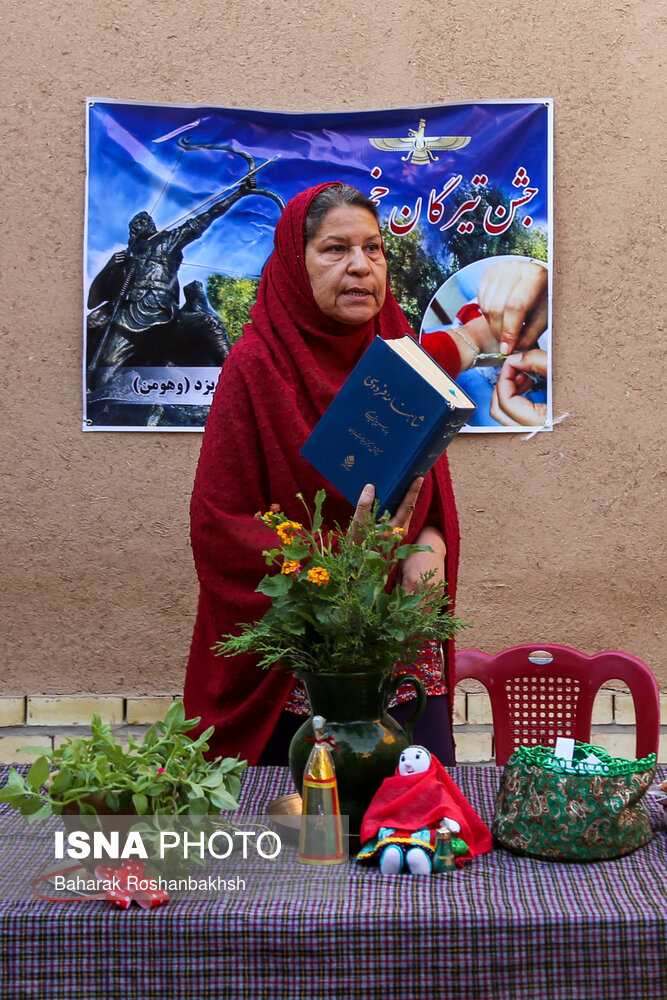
[{"x": 322, "y": 298}]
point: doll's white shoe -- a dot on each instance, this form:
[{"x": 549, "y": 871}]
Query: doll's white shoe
[
  {"x": 418, "y": 861},
  {"x": 391, "y": 861}
]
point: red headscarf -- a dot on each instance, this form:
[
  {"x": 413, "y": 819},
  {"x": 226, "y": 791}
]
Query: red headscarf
[
  {"x": 274, "y": 386},
  {"x": 412, "y": 801}
]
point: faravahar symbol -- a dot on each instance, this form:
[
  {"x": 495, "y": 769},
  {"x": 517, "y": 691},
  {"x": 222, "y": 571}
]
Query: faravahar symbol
[{"x": 418, "y": 147}]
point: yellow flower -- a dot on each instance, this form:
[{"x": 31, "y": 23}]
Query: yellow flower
[
  {"x": 287, "y": 529},
  {"x": 291, "y": 566},
  {"x": 269, "y": 516},
  {"x": 318, "y": 575},
  {"x": 397, "y": 531}
]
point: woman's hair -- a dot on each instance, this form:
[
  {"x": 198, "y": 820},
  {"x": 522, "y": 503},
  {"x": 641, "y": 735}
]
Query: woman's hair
[{"x": 332, "y": 197}]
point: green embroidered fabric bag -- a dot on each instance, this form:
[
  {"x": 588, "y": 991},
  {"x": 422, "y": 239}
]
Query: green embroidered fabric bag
[{"x": 546, "y": 809}]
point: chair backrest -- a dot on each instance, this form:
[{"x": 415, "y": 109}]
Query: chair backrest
[{"x": 540, "y": 692}]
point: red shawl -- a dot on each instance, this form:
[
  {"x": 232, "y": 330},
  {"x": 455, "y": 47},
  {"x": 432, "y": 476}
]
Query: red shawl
[
  {"x": 412, "y": 801},
  {"x": 275, "y": 384}
]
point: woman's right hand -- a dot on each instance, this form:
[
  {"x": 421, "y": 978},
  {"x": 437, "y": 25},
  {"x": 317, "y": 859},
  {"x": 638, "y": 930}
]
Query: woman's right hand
[
  {"x": 513, "y": 295},
  {"x": 401, "y": 518}
]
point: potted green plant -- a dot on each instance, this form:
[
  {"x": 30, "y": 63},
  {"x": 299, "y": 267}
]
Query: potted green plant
[
  {"x": 164, "y": 774},
  {"x": 335, "y": 622}
]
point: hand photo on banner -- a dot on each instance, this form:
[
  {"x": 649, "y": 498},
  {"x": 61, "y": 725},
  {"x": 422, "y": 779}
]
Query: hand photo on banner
[{"x": 182, "y": 202}]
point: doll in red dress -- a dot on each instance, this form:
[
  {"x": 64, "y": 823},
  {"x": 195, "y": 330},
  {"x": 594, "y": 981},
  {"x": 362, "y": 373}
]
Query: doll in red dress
[{"x": 400, "y": 823}]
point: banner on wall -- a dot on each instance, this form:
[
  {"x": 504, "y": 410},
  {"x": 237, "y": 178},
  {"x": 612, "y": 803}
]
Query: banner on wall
[{"x": 182, "y": 202}]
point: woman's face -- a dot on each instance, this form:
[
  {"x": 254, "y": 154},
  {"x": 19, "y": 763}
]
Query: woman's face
[{"x": 346, "y": 265}]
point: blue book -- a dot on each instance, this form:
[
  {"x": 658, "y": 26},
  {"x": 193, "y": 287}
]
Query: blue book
[{"x": 390, "y": 422}]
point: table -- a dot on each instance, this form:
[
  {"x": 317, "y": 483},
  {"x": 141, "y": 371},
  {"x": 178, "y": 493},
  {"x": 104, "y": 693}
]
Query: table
[{"x": 506, "y": 927}]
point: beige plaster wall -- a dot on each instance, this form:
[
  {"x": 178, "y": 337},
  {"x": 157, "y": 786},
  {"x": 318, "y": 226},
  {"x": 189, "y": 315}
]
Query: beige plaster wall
[{"x": 562, "y": 535}]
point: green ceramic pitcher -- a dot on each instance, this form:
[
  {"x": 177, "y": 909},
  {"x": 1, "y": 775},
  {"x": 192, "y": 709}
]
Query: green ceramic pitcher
[{"x": 368, "y": 741}]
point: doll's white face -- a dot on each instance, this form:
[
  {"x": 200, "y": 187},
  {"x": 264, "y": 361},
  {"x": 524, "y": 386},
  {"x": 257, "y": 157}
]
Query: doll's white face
[{"x": 414, "y": 760}]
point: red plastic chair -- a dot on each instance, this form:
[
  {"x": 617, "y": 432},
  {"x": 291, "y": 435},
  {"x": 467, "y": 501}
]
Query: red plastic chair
[{"x": 540, "y": 692}]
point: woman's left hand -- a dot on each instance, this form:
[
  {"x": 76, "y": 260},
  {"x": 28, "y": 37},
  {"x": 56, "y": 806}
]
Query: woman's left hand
[
  {"x": 414, "y": 567},
  {"x": 508, "y": 404}
]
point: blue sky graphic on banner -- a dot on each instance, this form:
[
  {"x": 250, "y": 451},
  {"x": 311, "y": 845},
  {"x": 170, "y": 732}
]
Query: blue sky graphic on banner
[{"x": 459, "y": 188}]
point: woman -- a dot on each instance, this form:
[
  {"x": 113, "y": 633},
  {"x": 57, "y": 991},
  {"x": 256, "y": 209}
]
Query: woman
[{"x": 322, "y": 298}]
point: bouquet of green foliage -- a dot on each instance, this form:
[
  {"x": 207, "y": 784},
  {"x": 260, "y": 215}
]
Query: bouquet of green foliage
[{"x": 330, "y": 608}]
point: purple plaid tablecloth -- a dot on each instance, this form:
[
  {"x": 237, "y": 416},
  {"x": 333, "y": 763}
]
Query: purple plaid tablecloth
[{"x": 505, "y": 927}]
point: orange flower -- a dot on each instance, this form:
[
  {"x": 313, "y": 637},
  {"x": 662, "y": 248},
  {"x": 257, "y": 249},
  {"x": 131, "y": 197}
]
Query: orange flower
[
  {"x": 318, "y": 575},
  {"x": 398, "y": 531},
  {"x": 291, "y": 566},
  {"x": 287, "y": 529}
]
